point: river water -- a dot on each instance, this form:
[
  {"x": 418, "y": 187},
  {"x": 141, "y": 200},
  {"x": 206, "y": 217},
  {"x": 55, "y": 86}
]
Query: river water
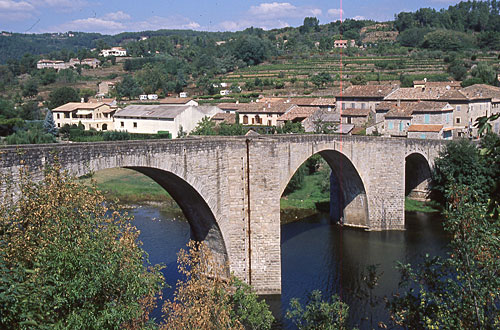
[{"x": 316, "y": 254}]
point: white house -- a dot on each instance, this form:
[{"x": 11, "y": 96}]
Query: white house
[
  {"x": 225, "y": 92},
  {"x": 151, "y": 119},
  {"x": 114, "y": 51}
]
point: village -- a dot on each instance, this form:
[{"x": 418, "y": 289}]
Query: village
[{"x": 428, "y": 110}]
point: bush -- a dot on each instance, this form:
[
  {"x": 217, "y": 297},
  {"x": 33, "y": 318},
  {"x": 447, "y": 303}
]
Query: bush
[
  {"x": 70, "y": 261},
  {"x": 115, "y": 135},
  {"x": 318, "y": 314}
]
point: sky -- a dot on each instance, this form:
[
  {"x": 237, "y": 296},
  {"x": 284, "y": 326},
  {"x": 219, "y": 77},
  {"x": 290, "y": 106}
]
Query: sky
[{"x": 115, "y": 16}]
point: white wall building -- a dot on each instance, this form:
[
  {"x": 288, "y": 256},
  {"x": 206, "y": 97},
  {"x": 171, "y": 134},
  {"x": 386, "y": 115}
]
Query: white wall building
[
  {"x": 151, "y": 119},
  {"x": 114, "y": 51}
]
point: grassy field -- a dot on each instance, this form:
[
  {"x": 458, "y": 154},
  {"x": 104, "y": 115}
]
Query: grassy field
[
  {"x": 307, "y": 196},
  {"x": 129, "y": 186}
]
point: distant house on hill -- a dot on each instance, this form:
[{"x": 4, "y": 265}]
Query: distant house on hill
[
  {"x": 344, "y": 43},
  {"x": 114, "y": 51},
  {"x": 92, "y": 62}
]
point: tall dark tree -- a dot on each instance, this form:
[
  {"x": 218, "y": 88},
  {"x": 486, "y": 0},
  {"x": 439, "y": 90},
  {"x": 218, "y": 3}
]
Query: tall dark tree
[{"x": 62, "y": 96}]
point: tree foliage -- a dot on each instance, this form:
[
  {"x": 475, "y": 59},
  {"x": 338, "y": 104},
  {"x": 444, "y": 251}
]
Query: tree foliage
[
  {"x": 318, "y": 314},
  {"x": 69, "y": 260},
  {"x": 62, "y": 95},
  {"x": 209, "y": 298},
  {"x": 460, "y": 291}
]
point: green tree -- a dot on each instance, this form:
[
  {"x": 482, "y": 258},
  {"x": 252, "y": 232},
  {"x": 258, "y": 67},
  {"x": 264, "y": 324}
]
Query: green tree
[
  {"x": 204, "y": 127},
  {"x": 30, "y": 88},
  {"x": 461, "y": 163},
  {"x": 62, "y": 95},
  {"x": 49, "y": 125},
  {"x": 128, "y": 88},
  {"x": 311, "y": 24},
  {"x": 318, "y": 314},
  {"x": 359, "y": 80},
  {"x": 460, "y": 291},
  {"x": 69, "y": 260}
]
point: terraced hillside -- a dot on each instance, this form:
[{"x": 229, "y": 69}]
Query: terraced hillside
[{"x": 373, "y": 68}]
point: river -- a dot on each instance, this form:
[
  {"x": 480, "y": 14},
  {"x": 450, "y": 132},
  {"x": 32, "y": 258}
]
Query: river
[{"x": 315, "y": 255}]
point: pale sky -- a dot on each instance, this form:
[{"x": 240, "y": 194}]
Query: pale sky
[{"x": 115, "y": 16}]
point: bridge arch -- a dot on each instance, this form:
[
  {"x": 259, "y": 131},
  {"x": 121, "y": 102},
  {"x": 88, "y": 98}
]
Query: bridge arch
[
  {"x": 188, "y": 193},
  {"x": 350, "y": 200},
  {"x": 417, "y": 176}
]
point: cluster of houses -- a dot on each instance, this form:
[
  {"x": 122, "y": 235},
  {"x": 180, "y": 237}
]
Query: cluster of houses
[
  {"x": 59, "y": 65},
  {"x": 428, "y": 110}
]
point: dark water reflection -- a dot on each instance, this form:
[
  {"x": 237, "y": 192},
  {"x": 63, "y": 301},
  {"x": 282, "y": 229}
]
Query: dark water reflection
[{"x": 315, "y": 255}]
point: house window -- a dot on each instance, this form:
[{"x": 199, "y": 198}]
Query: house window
[
  {"x": 458, "y": 120},
  {"x": 122, "y": 124},
  {"x": 349, "y": 120},
  {"x": 135, "y": 125},
  {"x": 459, "y": 107},
  {"x": 390, "y": 125},
  {"x": 66, "y": 115},
  {"x": 427, "y": 118},
  {"x": 253, "y": 120},
  {"x": 245, "y": 119},
  {"x": 400, "y": 126},
  {"x": 362, "y": 105},
  {"x": 447, "y": 118},
  {"x": 353, "y": 105},
  {"x": 447, "y": 134},
  {"x": 343, "y": 106},
  {"x": 58, "y": 116},
  {"x": 58, "y": 124},
  {"x": 269, "y": 123}
]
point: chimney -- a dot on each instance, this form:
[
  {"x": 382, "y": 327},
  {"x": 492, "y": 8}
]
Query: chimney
[
  {"x": 269, "y": 105},
  {"x": 399, "y": 102},
  {"x": 82, "y": 100}
]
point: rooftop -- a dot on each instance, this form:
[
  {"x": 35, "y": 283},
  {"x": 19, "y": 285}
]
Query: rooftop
[
  {"x": 228, "y": 118},
  {"x": 425, "y": 128},
  {"x": 72, "y": 106},
  {"x": 369, "y": 91},
  {"x": 298, "y": 113}
]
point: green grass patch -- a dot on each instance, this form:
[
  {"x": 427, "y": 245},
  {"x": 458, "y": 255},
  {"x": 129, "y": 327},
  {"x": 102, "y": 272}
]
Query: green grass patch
[
  {"x": 129, "y": 187},
  {"x": 308, "y": 195},
  {"x": 412, "y": 205}
]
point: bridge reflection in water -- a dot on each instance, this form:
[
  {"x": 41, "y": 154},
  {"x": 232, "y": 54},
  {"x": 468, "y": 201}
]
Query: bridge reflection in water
[{"x": 310, "y": 250}]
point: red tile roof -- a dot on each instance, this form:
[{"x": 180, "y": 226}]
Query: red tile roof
[
  {"x": 425, "y": 128},
  {"x": 368, "y": 91}
]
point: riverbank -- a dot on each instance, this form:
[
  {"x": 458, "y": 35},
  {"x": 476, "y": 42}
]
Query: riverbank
[
  {"x": 412, "y": 205},
  {"x": 129, "y": 187}
]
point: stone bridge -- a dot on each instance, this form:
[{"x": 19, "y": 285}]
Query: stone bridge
[{"x": 229, "y": 188}]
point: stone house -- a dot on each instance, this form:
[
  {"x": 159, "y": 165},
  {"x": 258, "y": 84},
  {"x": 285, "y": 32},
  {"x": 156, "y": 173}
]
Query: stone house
[
  {"x": 92, "y": 62},
  {"x": 265, "y": 114},
  {"x": 296, "y": 114},
  {"x": 357, "y": 117},
  {"x": 363, "y": 96},
  {"x": 96, "y": 115},
  {"x": 151, "y": 119}
]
